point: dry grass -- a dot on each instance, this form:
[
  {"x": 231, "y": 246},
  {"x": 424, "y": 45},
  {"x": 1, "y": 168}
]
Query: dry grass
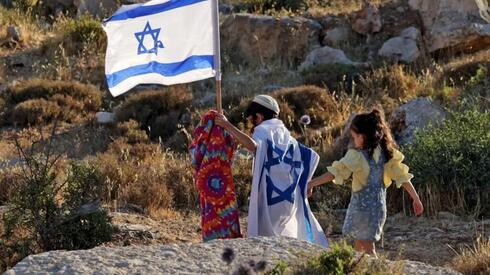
[
  {"x": 31, "y": 31},
  {"x": 41, "y": 101},
  {"x": 474, "y": 260},
  {"x": 318, "y": 8},
  {"x": 145, "y": 175},
  {"x": 159, "y": 112},
  {"x": 396, "y": 82},
  {"x": 157, "y": 180}
]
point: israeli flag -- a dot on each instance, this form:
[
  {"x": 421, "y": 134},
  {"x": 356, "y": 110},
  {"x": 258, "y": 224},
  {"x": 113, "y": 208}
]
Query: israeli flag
[{"x": 160, "y": 42}]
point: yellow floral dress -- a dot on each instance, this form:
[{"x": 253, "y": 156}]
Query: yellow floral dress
[{"x": 371, "y": 175}]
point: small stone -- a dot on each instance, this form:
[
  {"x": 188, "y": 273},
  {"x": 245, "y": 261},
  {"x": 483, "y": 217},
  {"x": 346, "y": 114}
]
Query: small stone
[
  {"x": 325, "y": 55},
  {"x": 105, "y": 118},
  {"x": 14, "y": 33}
]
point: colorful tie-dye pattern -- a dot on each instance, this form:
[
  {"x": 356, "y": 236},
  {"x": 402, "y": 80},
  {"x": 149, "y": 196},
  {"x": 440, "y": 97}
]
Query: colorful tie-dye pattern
[{"x": 212, "y": 153}]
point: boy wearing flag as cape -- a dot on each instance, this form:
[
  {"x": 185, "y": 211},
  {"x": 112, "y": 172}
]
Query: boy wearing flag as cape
[{"x": 281, "y": 171}]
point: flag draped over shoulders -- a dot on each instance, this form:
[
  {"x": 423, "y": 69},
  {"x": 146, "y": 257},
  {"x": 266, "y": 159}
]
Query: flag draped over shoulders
[
  {"x": 212, "y": 153},
  {"x": 160, "y": 42},
  {"x": 278, "y": 202}
]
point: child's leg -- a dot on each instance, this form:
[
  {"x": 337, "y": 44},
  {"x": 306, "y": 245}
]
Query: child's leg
[{"x": 365, "y": 247}]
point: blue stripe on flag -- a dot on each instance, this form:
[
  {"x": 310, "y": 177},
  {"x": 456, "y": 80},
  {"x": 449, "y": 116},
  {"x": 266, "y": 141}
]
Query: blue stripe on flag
[
  {"x": 303, "y": 183},
  {"x": 153, "y": 9},
  {"x": 165, "y": 69}
]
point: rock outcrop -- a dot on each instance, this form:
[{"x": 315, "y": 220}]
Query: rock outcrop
[
  {"x": 402, "y": 48},
  {"x": 452, "y": 25},
  {"x": 249, "y": 39},
  {"x": 415, "y": 114},
  {"x": 200, "y": 258}
]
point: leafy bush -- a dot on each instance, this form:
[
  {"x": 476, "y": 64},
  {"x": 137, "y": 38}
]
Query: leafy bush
[
  {"x": 39, "y": 101},
  {"x": 158, "y": 112},
  {"x": 84, "y": 30},
  {"x": 337, "y": 77},
  {"x": 48, "y": 212},
  {"x": 454, "y": 157},
  {"x": 339, "y": 260}
]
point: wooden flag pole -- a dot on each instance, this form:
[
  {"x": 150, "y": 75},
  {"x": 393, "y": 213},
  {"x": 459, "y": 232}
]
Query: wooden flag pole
[{"x": 217, "y": 55}]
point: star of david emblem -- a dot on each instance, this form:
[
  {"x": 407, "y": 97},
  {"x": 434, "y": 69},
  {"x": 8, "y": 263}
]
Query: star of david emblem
[
  {"x": 153, "y": 33},
  {"x": 275, "y": 156}
]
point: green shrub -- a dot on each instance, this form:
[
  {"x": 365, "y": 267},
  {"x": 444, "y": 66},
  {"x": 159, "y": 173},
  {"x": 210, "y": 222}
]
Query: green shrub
[
  {"x": 337, "y": 77},
  {"x": 84, "y": 30},
  {"x": 50, "y": 212},
  {"x": 454, "y": 157},
  {"x": 158, "y": 112},
  {"x": 339, "y": 260}
]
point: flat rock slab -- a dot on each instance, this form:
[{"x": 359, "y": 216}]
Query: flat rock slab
[
  {"x": 198, "y": 258},
  {"x": 187, "y": 258}
]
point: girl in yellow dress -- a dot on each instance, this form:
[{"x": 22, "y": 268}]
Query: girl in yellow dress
[{"x": 374, "y": 163}]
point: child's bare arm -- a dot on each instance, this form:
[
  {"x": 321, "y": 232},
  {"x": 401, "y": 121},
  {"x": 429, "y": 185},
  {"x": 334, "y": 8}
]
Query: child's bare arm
[
  {"x": 418, "y": 207},
  {"x": 321, "y": 180},
  {"x": 241, "y": 137}
]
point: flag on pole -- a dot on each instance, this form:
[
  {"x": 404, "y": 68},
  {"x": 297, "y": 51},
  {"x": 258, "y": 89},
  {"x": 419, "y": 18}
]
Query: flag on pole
[{"x": 160, "y": 42}]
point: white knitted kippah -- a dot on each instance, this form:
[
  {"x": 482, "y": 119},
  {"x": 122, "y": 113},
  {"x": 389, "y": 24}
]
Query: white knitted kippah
[{"x": 268, "y": 102}]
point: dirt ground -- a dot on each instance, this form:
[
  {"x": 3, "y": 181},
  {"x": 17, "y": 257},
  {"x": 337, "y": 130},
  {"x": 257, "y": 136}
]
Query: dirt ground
[{"x": 433, "y": 241}]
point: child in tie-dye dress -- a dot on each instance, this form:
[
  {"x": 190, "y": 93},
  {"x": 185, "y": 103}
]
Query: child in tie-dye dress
[{"x": 373, "y": 164}]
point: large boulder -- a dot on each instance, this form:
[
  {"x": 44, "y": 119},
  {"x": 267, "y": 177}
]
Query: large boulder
[
  {"x": 325, "y": 55},
  {"x": 185, "y": 258},
  {"x": 414, "y": 115},
  {"x": 402, "y": 48},
  {"x": 258, "y": 39},
  {"x": 454, "y": 25}
]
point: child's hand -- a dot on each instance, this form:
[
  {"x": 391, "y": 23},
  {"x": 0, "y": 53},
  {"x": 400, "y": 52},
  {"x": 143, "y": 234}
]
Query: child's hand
[
  {"x": 221, "y": 121},
  {"x": 418, "y": 207},
  {"x": 309, "y": 192}
]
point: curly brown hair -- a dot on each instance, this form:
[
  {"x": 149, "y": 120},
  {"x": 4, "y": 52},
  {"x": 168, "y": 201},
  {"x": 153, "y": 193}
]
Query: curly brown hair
[{"x": 376, "y": 133}]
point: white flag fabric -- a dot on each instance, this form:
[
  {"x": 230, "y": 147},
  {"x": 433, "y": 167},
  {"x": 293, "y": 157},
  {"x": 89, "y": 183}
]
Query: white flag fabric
[
  {"x": 278, "y": 202},
  {"x": 159, "y": 42}
]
